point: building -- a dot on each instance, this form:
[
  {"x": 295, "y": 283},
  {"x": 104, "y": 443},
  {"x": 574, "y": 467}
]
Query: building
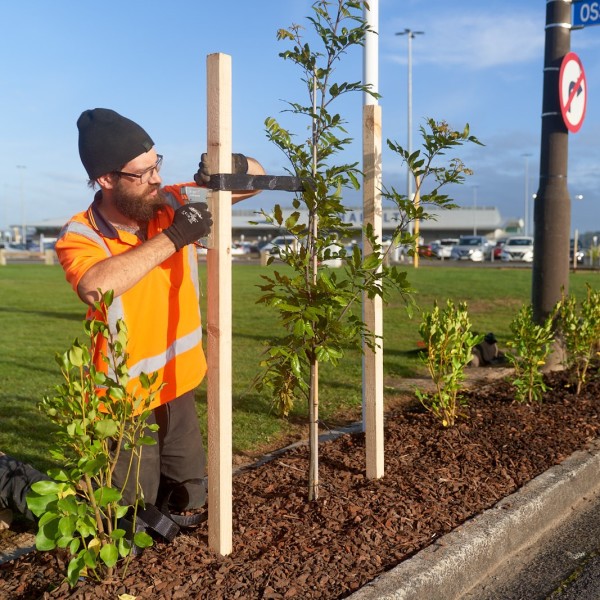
[{"x": 251, "y": 225}]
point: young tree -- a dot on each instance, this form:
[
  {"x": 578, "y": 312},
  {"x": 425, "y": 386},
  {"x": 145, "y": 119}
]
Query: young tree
[{"x": 319, "y": 307}]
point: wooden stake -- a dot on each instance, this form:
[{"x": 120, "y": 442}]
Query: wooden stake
[
  {"x": 219, "y": 307},
  {"x": 372, "y": 308}
]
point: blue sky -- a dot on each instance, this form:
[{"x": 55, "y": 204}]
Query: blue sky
[{"x": 478, "y": 63}]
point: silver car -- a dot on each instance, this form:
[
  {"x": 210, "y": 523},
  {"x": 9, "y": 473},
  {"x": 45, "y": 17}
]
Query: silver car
[{"x": 472, "y": 247}]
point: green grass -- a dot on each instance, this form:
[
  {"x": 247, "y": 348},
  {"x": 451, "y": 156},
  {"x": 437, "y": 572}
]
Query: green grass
[{"x": 40, "y": 316}]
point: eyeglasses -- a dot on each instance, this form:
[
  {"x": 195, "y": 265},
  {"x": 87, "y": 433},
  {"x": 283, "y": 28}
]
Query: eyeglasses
[{"x": 144, "y": 176}]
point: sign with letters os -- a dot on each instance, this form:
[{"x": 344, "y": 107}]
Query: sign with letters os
[{"x": 586, "y": 12}]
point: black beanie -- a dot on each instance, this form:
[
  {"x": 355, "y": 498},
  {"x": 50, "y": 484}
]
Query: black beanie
[{"x": 107, "y": 141}]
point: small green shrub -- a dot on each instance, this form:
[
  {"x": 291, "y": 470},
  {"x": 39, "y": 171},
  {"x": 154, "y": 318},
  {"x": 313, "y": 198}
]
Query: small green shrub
[
  {"x": 450, "y": 341},
  {"x": 79, "y": 508},
  {"x": 531, "y": 343},
  {"x": 579, "y": 325}
]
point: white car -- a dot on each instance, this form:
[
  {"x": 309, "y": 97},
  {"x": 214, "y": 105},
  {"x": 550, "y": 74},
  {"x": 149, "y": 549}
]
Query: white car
[
  {"x": 281, "y": 243},
  {"x": 443, "y": 248},
  {"x": 518, "y": 249}
]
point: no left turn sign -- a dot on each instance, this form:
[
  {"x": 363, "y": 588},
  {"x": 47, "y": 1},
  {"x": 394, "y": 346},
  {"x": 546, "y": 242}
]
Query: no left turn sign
[{"x": 572, "y": 91}]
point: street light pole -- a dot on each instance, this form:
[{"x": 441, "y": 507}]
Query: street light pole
[
  {"x": 23, "y": 225},
  {"x": 410, "y": 34}
]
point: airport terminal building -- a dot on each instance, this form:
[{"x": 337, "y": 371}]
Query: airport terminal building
[{"x": 251, "y": 225}]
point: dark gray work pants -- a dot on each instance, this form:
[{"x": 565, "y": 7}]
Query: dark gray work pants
[
  {"x": 176, "y": 464},
  {"x": 16, "y": 479}
]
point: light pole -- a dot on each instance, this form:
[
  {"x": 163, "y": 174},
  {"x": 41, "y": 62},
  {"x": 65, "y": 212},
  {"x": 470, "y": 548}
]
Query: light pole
[
  {"x": 23, "y": 225},
  {"x": 410, "y": 34},
  {"x": 526, "y": 218}
]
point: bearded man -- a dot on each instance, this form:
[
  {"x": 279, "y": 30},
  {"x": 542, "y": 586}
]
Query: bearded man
[{"x": 137, "y": 239}]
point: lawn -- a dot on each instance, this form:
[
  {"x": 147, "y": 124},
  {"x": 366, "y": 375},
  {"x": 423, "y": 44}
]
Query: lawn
[{"x": 40, "y": 316}]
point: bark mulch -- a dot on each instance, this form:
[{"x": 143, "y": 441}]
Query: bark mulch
[{"x": 285, "y": 547}]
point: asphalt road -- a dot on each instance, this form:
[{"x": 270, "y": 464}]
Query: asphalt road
[{"x": 563, "y": 565}]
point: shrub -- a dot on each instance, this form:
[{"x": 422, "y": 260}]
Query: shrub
[
  {"x": 579, "y": 326},
  {"x": 79, "y": 508},
  {"x": 450, "y": 342},
  {"x": 531, "y": 343}
]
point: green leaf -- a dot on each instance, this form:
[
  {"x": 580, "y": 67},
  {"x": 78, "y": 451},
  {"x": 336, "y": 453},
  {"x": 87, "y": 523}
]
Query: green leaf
[
  {"x": 66, "y": 526},
  {"x": 109, "y": 555},
  {"x": 46, "y": 486},
  {"x": 38, "y": 505},
  {"x": 74, "y": 569},
  {"x": 89, "y": 559},
  {"x": 94, "y": 465},
  {"x": 117, "y": 534},
  {"x": 75, "y": 356},
  {"x": 68, "y": 505},
  {"x": 299, "y": 328},
  {"x": 107, "y": 495},
  {"x": 142, "y": 540},
  {"x": 74, "y": 545},
  {"x": 278, "y": 215},
  {"x": 106, "y": 428},
  {"x": 46, "y": 536}
]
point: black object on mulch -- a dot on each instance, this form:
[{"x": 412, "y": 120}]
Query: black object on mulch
[{"x": 285, "y": 547}]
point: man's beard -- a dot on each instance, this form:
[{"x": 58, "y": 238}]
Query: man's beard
[{"x": 141, "y": 207}]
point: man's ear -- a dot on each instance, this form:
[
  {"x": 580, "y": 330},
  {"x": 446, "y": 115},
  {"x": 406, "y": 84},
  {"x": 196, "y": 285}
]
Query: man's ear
[{"x": 108, "y": 181}]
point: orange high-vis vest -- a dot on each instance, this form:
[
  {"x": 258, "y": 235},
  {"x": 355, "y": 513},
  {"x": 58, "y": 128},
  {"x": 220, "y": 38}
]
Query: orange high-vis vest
[{"x": 161, "y": 311}]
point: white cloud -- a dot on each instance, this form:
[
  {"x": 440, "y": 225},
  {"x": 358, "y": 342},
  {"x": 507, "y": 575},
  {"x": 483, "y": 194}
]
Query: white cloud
[{"x": 475, "y": 41}]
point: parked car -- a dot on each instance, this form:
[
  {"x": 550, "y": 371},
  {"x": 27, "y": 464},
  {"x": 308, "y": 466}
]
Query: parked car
[
  {"x": 244, "y": 249},
  {"x": 518, "y": 248},
  {"x": 472, "y": 247},
  {"x": 13, "y": 247},
  {"x": 580, "y": 253},
  {"x": 279, "y": 244},
  {"x": 443, "y": 248},
  {"x": 497, "y": 249},
  {"x": 425, "y": 250}
]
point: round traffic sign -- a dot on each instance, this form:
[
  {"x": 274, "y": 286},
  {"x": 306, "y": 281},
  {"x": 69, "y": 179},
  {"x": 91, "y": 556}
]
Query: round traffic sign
[{"x": 572, "y": 91}]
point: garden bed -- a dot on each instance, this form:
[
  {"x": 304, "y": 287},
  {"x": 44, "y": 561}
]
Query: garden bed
[{"x": 285, "y": 547}]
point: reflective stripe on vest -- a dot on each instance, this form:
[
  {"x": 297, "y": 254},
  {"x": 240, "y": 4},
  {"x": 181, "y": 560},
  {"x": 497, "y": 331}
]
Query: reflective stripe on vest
[
  {"x": 179, "y": 346},
  {"x": 116, "y": 311}
]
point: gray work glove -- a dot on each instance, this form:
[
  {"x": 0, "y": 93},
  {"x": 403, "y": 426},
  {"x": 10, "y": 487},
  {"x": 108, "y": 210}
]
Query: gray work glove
[
  {"x": 239, "y": 166},
  {"x": 190, "y": 223}
]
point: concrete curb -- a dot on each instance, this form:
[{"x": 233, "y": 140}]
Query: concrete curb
[{"x": 450, "y": 567}]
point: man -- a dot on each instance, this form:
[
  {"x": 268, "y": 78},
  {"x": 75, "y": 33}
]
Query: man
[{"x": 137, "y": 239}]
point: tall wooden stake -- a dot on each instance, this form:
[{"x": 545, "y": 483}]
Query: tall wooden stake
[
  {"x": 219, "y": 342},
  {"x": 372, "y": 307},
  {"x": 372, "y": 212}
]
